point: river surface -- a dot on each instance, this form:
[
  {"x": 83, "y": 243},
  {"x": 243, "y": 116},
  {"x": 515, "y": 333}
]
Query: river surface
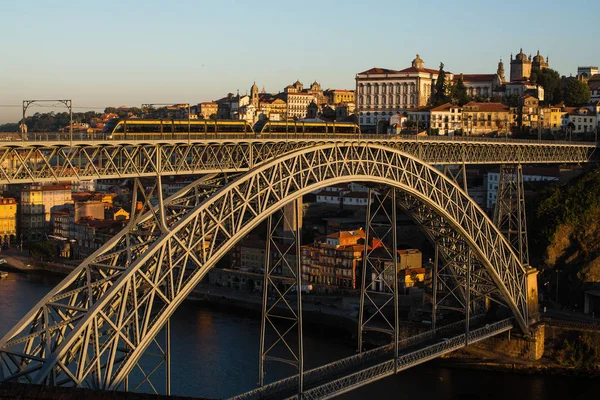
[{"x": 215, "y": 355}]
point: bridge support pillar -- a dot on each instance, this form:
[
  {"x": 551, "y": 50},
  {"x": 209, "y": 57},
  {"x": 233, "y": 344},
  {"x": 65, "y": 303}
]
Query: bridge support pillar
[
  {"x": 282, "y": 303},
  {"x": 379, "y": 286},
  {"x": 533, "y": 309},
  {"x": 509, "y": 212}
]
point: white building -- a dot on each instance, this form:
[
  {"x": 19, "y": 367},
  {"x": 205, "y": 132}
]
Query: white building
[
  {"x": 382, "y": 93},
  {"x": 579, "y": 119},
  {"x": 530, "y": 174},
  {"x": 446, "y": 118}
]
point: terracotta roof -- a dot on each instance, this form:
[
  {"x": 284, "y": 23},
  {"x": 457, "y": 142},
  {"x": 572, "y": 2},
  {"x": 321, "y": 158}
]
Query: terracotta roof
[
  {"x": 427, "y": 70},
  {"x": 485, "y": 107},
  {"x": 475, "y": 77},
  {"x": 444, "y": 107},
  {"x": 347, "y": 234},
  {"x": 378, "y": 71}
]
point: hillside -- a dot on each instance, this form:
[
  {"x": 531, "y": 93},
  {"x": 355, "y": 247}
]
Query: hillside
[{"x": 565, "y": 236}]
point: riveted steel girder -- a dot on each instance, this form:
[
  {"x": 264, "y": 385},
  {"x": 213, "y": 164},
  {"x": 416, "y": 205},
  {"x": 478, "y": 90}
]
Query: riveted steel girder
[{"x": 23, "y": 162}]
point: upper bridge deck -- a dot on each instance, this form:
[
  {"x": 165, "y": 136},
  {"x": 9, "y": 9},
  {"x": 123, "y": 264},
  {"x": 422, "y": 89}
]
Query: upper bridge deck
[{"x": 55, "y": 157}]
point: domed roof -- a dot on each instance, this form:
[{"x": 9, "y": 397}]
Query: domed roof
[
  {"x": 418, "y": 62},
  {"x": 521, "y": 56},
  {"x": 538, "y": 58}
]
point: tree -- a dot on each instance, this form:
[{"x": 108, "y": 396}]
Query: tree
[
  {"x": 549, "y": 79},
  {"x": 440, "y": 96},
  {"x": 459, "y": 93},
  {"x": 575, "y": 93}
]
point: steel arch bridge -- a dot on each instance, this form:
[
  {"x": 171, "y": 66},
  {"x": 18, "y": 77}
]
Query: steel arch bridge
[
  {"x": 51, "y": 161},
  {"x": 94, "y": 326}
]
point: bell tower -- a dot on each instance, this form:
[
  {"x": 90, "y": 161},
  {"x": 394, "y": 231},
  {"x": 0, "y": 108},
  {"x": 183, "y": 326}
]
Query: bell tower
[{"x": 254, "y": 95}]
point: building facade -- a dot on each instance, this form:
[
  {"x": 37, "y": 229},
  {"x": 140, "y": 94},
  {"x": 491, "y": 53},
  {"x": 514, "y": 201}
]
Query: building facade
[
  {"x": 479, "y": 118},
  {"x": 37, "y": 204},
  {"x": 8, "y": 220},
  {"x": 381, "y": 93}
]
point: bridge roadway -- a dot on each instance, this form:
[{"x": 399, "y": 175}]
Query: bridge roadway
[
  {"x": 54, "y": 160},
  {"x": 352, "y": 372}
]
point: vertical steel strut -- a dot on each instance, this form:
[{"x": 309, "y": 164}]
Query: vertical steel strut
[
  {"x": 509, "y": 212},
  {"x": 282, "y": 284},
  {"x": 379, "y": 286}
]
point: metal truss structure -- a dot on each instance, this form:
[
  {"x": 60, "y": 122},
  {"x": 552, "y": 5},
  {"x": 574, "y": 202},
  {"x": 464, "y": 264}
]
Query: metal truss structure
[
  {"x": 51, "y": 161},
  {"x": 379, "y": 288},
  {"x": 280, "y": 316},
  {"x": 92, "y": 328},
  {"x": 509, "y": 211}
]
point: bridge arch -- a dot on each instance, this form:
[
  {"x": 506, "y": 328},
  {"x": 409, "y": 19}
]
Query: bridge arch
[{"x": 109, "y": 331}]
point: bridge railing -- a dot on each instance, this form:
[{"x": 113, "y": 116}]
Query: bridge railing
[
  {"x": 411, "y": 359},
  {"x": 33, "y": 137},
  {"x": 355, "y": 360}
]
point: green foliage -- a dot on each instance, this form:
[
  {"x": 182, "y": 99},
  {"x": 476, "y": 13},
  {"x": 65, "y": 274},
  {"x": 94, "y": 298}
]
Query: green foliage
[
  {"x": 459, "y": 93},
  {"x": 576, "y": 93},
  {"x": 513, "y": 100},
  {"x": 43, "y": 249},
  {"x": 11, "y": 127},
  {"x": 440, "y": 92},
  {"x": 576, "y": 350},
  {"x": 565, "y": 204},
  {"x": 549, "y": 79}
]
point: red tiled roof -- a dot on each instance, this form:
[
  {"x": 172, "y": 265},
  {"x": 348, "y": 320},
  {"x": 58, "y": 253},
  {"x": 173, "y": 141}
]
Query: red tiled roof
[
  {"x": 378, "y": 71},
  {"x": 475, "y": 77},
  {"x": 427, "y": 70},
  {"x": 486, "y": 107}
]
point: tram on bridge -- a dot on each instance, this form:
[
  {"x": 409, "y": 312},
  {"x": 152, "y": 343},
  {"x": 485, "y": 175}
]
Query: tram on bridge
[
  {"x": 171, "y": 128},
  {"x": 130, "y": 128}
]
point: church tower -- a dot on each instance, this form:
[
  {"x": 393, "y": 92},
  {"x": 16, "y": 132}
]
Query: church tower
[
  {"x": 254, "y": 95},
  {"x": 539, "y": 62},
  {"x": 500, "y": 71},
  {"x": 520, "y": 67}
]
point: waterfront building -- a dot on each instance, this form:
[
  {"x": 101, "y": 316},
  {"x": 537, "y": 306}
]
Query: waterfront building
[
  {"x": 381, "y": 93},
  {"x": 528, "y": 112},
  {"x": 8, "y": 220},
  {"x": 37, "y": 204},
  {"x": 334, "y": 260}
]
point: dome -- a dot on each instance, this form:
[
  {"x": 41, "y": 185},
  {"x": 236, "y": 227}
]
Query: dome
[
  {"x": 521, "y": 56},
  {"x": 538, "y": 58},
  {"x": 418, "y": 62}
]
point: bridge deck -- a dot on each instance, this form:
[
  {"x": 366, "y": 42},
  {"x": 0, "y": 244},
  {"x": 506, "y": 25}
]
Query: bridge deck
[
  {"x": 355, "y": 371},
  {"x": 52, "y": 161}
]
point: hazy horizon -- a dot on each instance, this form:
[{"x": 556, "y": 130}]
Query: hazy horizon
[{"x": 117, "y": 54}]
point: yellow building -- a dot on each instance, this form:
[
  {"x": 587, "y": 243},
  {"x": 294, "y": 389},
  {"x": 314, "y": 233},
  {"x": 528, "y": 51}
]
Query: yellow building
[
  {"x": 479, "y": 118},
  {"x": 551, "y": 117},
  {"x": 339, "y": 96},
  {"x": 8, "y": 220}
]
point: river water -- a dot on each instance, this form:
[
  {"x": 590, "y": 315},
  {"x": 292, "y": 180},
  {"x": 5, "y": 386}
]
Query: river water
[{"x": 215, "y": 355}]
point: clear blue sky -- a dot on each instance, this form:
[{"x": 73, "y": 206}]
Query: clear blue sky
[{"x": 102, "y": 53}]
